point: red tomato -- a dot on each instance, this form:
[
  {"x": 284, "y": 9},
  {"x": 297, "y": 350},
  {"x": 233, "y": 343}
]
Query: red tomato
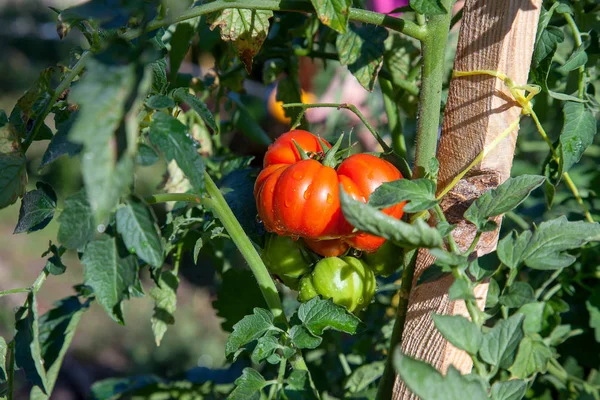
[
  {"x": 283, "y": 151},
  {"x": 368, "y": 172},
  {"x": 327, "y": 248},
  {"x": 296, "y": 197}
]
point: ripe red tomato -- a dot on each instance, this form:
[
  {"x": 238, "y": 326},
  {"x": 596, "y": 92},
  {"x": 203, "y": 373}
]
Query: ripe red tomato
[
  {"x": 368, "y": 172},
  {"x": 327, "y": 248},
  {"x": 297, "y": 197}
]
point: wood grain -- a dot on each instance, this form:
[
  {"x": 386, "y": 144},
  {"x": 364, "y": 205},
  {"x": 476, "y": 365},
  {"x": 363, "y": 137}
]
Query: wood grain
[{"x": 494, "y": 35}]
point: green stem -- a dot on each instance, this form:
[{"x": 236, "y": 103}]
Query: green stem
[
  {"x": 368, "y": 17},
  {"x": 346, "y": 106},
  {"x": 547, "y": 283},
  {"x": 11, "y": 370},
  {"x": 433, "y": 47},
  {"x": 577, "y": 39},
  {"x": 64, "y": 85},
  {"x": 39, "y": 281},
  {"x": 386, "y": 385},
  {"x": 177, "y": 261},
  {"x": 393, "y": 115},
  {"x": 473, "y": 243},
  {"x": 12, "y": 291},
  {"x": 269, "y": 291},
  {"x": 167, "y": 197},
  {"x": 442, "y": 218},
  {"x": 345, "y": 365}
]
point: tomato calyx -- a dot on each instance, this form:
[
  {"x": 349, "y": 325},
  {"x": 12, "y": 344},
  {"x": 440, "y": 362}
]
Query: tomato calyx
[{"x": 330, "y": 155}]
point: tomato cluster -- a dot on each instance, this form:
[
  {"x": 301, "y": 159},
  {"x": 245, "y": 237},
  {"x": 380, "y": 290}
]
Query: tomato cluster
[{"x": 298, "y": 196}]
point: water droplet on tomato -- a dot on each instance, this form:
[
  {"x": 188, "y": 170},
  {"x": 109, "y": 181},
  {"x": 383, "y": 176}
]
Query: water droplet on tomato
[
  {"x": 295, "y": 237},
  {"x": 258, "y": 220},
  {"x": 272, "y": 189},
  {"x": 297, "y": 175},
  {"x": 306, "y": 194},
  {"x": 287, "y": 202},
  {"x": 371, "y": 175},
  {"x": 329, "y": 198}
]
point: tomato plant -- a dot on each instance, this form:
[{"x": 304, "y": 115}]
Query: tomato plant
[{"x": 308, "y": 199}]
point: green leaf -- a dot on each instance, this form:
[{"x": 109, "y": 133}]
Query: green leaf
[
  {"x": 532, "y": 357},
  {"x": 420, "y": 194},
  {"x": 578, "y": 59},
  {"x": 371, "y": 220},
  {"x": 534, "y": 316},
  {"x": 236, "y": 298},
  {"x": 500, "y": 343},
  {"x": 249, "y": 329},
  {"x": 303, "y": 339},
  {"x": 183, "y": 96},
  {"x": 137, "y": 225},
  {"x": 459, "y": 331},
  {"x": 28, "y": 351},
  {"x": 265, "y": 347},
  {"x": 512, "y": 247},
  {"x": 320, "y": 315},
  {"x": 428, "y": 384},
  {"x": 37, "y": 208},
  {"x": 363, "y": 376},
  {"x": 103, "y": 94},
  {"x": 493, "y": 294},
  {"x": 3, "y": 352},
  {"x": 158, "y": 102},
  {"x": 333, "y": 13},
  {"x": 428, "y": 7},
  {"x": 165, "y": 303},
  {"x": 77, "y": 225},
  {"x": 180, "y": 42},
  {"x": 502, "y": 199},
  {"x": 545, "y": 248},
  {"x": 57, "y": 328},
  {"x": 593, "y": 307},
  {"x": 13, "y": 171},
  {"x": 510, "y": 390},
  {"x": 362, "y": 50},
  {"x": 577, "y": 134},
  {"x": 444, "y": 257},
  {"x": 248, "y": 386},
  {"x": 146, "y": 155},
  {"x": 298, "y": 386},
  {"x": 110, "y": 271},
  {"x": 60, "y": 144},
  {"x": 171, "y": 137},
  {"x": 247, "y": 29},
  {"x": 517, "y": 295},
  {"x": 547, "y": 43},
  {"x": 460, "y": 289},
  {"x": 31, "y": 106}
]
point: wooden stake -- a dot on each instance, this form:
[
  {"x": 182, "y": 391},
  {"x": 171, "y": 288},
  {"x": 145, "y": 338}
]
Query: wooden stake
[{"x": 495, "y": 35}]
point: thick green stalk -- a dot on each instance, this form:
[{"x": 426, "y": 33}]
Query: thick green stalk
[
  {"x": 393, "y": 115},
  {"x": 433, "y": 47},
  {"x": 218, "y": 204},
  {"x": 368, "y": 17},
  {"x": 386, "y": 384}
]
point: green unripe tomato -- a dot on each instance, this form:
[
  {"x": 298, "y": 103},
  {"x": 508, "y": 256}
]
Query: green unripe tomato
[
  {"x": 348, "y": 281},
  {"x": 386, "y": 260},
  {"x": 286, "y": 258}
]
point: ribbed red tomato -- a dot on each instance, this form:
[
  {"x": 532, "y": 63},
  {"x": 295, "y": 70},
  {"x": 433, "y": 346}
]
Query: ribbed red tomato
[{"x": 297, "y": 197}]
